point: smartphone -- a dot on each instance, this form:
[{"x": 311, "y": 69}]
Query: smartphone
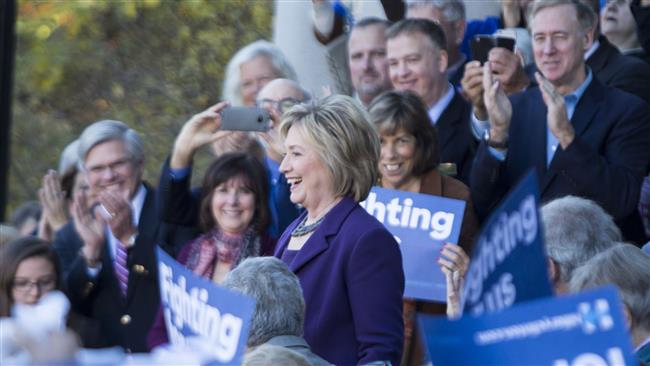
[
  {"x": 481, "y": 45},
  {"x": 245, "y": 119}
]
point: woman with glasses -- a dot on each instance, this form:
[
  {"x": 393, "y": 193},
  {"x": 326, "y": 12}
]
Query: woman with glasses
[{"x": 29, "y": 269}]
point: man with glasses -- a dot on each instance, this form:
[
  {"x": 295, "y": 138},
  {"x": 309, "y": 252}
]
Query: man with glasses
[{"x": 108, "y": 250}]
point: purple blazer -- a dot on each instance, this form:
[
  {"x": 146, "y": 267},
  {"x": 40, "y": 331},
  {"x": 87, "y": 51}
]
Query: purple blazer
[{"x": 351, "y": 274}]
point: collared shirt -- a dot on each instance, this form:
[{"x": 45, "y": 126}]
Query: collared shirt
[
  {"x": 436, "y": 111},
  {"x": 570, "y": 102},
  {"x": 592, "y": 49}
]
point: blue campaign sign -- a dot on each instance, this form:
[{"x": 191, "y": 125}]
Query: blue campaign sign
[
  {"x": 508, "y": 264},
  {"x": 583, "y": 329},
  {"x": 421, "y": 224},
  {"x": 194, "y": 306}
]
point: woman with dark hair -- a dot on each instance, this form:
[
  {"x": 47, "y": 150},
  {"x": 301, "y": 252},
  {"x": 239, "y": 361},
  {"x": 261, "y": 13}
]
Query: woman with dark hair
[
  {"x": 29, "y": 269},
  {"x": 234, "y": 216},
  {"x": 409, "y": 161}
]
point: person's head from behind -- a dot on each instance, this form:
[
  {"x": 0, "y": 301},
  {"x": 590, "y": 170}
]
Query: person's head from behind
[
  {"x": 281, "y": 94},
  {"x": 270, "y": 355},
  {"x": 332, "y": 152},
  {"x": 628, "y": 268},
  {"x": 409, "y": 142},
  {"x": 450, "y": 14},
  {"x": 235, "y": 195},
  {"x": 25, "y": 218},
  {"x": 29, "y": 268},
  {"x": 417, "y": 59},
  {"x": 575, "y": 230},
  {"x": 252, "y": 67},
  {"x": 618, "y": 25},
  {"x": 112, "y": 157},
  {"x": 279, "y": 303},
  {"x": 561, "y": 30},
  {"x": 367, "y": 58}
]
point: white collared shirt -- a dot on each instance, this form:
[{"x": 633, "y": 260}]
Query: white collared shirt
[{"x": 437, "y": 109}]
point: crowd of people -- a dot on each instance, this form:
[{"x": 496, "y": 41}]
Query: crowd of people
[{"x": 278, "y": 216}]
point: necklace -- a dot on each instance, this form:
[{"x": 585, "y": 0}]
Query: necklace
[{"x": 304, "y": 229}]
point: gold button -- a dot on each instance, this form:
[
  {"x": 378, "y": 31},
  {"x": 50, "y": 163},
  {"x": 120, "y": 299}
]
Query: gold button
[
  {"x": 139, "y": 269},
  {"x": 125, "y": 319}
]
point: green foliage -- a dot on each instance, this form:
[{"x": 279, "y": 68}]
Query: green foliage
[{"x": 149, "y": 63}]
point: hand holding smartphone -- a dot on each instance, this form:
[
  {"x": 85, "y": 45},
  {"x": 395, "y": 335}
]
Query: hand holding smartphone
[
  {"x": 481, "y": 45},
  {"x": 245, "y": 119}
]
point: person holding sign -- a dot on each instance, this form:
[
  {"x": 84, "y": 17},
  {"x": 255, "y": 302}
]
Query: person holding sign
[
  {"x": 409, "y": 160},
  {"x": 349, "y": 265},
  {"x": 233, "y": 215}
]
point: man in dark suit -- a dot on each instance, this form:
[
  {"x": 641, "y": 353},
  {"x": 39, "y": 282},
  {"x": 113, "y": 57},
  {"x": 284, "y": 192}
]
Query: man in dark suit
[
  {"x": 417, "y": 62},
  {"x": 581, "y": 137},
  {"x": 108, "y": 251}
]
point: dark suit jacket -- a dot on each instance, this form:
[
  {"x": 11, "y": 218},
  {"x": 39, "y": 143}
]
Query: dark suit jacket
[
  {"x": 605, "y": 162},
  {"x": 124, "y": 321},
  {"x": 619, "y": 71},
  {"x": 457, "y": 143},
  {"x": 351, "y": 275}
]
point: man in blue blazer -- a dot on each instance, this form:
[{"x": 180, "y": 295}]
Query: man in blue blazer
[{"x": 581, "y": 137}]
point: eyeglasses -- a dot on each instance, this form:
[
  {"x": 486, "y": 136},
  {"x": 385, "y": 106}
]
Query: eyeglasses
[
  {"x": 119, "y": 165},
  {"x": 281, "y": 105},
  {"x": 43, "y": 284}
]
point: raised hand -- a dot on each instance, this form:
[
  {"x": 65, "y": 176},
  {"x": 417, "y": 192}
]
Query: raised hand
[
  {"x": 201, "y": 129},
  {"x": 90, "y": 226},
  {"x": 53, "y": 201},
  {"x": 472, "y": 84},
  {"x": 121, "y": 221},
  {"x": 454, "y": 263},
  {"x": 497, "y": 104},
  {"x": 556, "y": 117},
  {"x": 507, "y": 68}
]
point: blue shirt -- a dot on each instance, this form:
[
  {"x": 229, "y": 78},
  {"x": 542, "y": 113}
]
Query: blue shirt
[{"x": 570, "y": 102}]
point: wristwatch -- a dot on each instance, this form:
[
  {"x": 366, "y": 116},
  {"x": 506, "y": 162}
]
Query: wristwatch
[{"x": 497, "y": 145}]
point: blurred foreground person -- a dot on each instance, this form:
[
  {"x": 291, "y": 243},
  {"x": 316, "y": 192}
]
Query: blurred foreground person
[
  {"x": 575, "y": 230},
  {"x": 279, "y": 314},
  {"x": 628, "y": 268},
  {"x": 29, "y": 269},
  {"x": 234, "y": 216},
  {"x": 349, "y": 265}
]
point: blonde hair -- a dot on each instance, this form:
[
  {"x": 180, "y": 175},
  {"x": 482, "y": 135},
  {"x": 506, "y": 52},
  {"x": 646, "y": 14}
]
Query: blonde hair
[{"x": 338, "y": 128}]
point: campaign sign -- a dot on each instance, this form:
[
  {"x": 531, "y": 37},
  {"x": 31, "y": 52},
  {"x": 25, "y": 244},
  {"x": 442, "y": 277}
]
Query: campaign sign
[
  {"x": 583, "y": 329},
  {"x": 194, "y": 306},
  {"x": 421, "y": 224},
  {"x": 508, "y": 263}
]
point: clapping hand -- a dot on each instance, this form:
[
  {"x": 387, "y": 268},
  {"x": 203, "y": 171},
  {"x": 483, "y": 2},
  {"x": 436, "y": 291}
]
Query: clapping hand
[
  {"x": 454, "y": 263},
  {"x": 54, "y": 204},
  {"x": 557, "y": 118},
  {"x": 121, "y": 221},
  {"x": 90, "y": 226}
]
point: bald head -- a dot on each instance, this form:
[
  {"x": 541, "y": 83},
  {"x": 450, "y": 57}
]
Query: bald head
[{"x": 279, "y": 89}]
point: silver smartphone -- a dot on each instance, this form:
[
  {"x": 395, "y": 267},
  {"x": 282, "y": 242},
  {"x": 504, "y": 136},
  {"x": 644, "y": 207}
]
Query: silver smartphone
[{"x": 245, "y": 119}]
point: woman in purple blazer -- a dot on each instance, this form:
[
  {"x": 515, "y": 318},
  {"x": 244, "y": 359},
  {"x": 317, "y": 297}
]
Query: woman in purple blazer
[{"x": 349, "y": 265}]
